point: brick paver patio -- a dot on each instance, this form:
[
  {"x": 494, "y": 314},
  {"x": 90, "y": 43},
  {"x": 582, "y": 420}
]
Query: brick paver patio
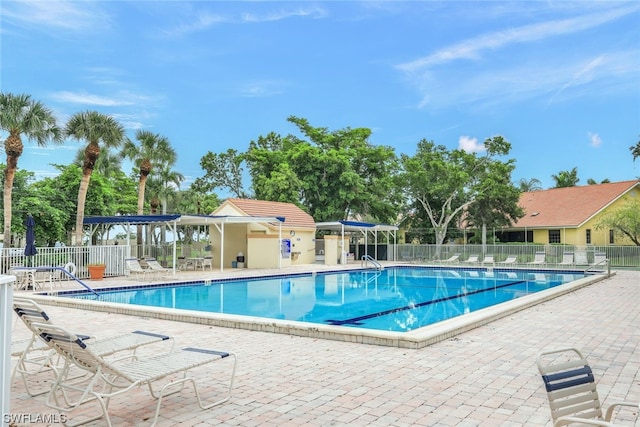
[{"x": 485, "y": 377}]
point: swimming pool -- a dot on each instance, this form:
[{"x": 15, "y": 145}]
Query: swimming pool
[{"x": 398, "y": 299}]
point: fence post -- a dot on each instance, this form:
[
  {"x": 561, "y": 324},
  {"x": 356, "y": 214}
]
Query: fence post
[{"x": 6, "y": 327}]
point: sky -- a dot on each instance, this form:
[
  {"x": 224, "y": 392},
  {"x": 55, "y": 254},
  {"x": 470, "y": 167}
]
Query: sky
[{"x": 559, "y": 80}]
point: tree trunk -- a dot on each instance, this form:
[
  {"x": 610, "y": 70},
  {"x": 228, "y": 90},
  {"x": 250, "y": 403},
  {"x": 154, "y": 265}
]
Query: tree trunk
[
  {"x": 82, "y": 198},
  {"x": 9, "y": 175},
  {"x": 141, "y": 188}
]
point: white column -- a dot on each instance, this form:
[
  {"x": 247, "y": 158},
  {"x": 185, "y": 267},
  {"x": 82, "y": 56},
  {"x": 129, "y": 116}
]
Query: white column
[{"x": 6, "y": 327}]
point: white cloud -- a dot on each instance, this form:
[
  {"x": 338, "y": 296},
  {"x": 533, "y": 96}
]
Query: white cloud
[
  {"x": 470, "y": 145},
  {"x": 90, "y": 99},
  {"x": 595, "y": 140},
  {"x": 66, "y": 15},
  {"x": 261, "y": 89},
  {"x": 200, "y": 22},
  {"x": 472, "y": 48},
  {"x": 314, "y": 12}
]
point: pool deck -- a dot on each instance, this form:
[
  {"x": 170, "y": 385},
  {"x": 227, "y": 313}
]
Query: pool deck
[{"x": 483, "y": 377}]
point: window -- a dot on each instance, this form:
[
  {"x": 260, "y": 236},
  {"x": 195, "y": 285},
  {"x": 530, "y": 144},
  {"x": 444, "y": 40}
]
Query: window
[
  {"x": 588, "y": 236},
  {"x": 554, "y": 236},
  {"x": 611, "y": 242}
]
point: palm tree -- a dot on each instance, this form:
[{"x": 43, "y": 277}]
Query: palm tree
[
  {"x": 166, "y": 183},
  {"x": 19, "y": 114},
  {"x": 94, "y": 128},
  {"x": 526, "y": 185},
  {"x": 566, "y": 178},
  {"x": 154, "y": 149},
  {"x": 107, "y": 164}
]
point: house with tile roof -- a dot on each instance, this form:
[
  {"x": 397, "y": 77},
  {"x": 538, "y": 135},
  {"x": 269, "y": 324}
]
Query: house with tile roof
[
  {"x": 569, "y": 215},
  {"x": 258, "y": 242}
]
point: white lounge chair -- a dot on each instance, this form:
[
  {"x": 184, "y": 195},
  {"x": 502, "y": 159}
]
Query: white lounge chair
[
  {"x": 135, "y": 269},
  {"x": 157, "y": 268},
  {"x": 488, "y": 259},
  {"x": 567, "y": 258},
  {"x": 451, "y": 259},
  {"x": 106, "y": 379},
  {"x": 473, "y": 259},
  {"x": 34, "y": 357},
  {"x": 539, "y": 259},
  {"x": 511, "y": 259},
  {"x": 571, "y": 389},
  {"x": 600, "y": 259},
  {"x": 581, "y": 258},
  {"x": 207, "y": 262}
]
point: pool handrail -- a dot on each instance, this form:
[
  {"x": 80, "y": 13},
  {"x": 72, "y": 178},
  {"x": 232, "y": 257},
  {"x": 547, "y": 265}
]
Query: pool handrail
[{"x": 65, "y": 271}]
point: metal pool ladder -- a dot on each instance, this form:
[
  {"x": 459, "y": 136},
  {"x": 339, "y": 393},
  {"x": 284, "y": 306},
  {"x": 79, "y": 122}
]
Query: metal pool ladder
[{"x": 369, "y": 259}]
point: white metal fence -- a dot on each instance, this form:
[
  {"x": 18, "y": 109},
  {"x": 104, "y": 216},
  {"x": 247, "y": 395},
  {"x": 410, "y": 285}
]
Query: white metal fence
[{"x": 618, "y": 256}]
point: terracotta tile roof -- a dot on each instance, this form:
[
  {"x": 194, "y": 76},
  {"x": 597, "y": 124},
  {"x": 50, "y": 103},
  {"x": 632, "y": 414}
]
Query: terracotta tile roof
[
  {"x": 569, "y": 206},
  {"x": 294, "y": 216}
]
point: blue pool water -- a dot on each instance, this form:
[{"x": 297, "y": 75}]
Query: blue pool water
[{"x": 395, "y": 299}]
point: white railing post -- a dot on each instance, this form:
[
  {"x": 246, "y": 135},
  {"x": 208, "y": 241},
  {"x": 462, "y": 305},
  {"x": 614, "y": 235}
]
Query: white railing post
[{"x": 6, "y": 327}]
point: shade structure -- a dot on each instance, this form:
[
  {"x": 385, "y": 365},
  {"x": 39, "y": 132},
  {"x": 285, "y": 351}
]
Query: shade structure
[{"x": 30, "y": 248}]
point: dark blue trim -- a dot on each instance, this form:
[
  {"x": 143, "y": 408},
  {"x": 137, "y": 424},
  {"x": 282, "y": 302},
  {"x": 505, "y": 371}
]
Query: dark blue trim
[
  {"x": 355, "y": 320},
  {"x": 222, "y": 354},
  {"x": 573, "y": 378}
]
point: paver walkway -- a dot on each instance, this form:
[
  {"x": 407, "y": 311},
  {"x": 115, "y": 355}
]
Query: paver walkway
[{"x": 485, "y": 377}]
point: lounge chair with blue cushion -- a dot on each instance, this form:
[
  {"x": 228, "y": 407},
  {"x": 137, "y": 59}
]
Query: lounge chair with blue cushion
[
  {"x": 571, "y": 389},
  {"x": 106, "y": 379}
]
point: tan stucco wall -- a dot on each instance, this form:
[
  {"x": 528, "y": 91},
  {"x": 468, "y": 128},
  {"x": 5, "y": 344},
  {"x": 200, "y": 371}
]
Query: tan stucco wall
[
  {"x": 264, "y": 252},
  {"x": 259, "y": 243}
]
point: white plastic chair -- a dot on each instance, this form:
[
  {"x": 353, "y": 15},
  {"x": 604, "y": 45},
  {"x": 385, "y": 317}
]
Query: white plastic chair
[{"x": 571, "y": 389}]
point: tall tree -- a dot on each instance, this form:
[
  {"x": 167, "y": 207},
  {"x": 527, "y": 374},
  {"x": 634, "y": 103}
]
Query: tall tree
[
  {"x": 108, "y": 164},
  {"x": 223, "y": 171},
  {"x": 332, "y": 175},
  {"x": 496, "y": 201},
  {"x": 21, "y": 115},
  {"x": 95, "y": 129},
  {"x": 165, "y": 183},
  {"x": 566, "y": 178},
  {"x": 154, "y": 149},
  {"x": 272, "y": 177},
  {"x": 446, "y": 183},
  {"x": 526, "y": 185}
]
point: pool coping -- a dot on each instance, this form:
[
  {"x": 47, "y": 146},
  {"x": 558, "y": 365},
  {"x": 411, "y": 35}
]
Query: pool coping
[{"x": 415, "y": 339}]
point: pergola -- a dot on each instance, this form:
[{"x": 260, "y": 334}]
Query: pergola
[
  {"x": 172, "y": 221},
  {"x": 364, "y": 228}
]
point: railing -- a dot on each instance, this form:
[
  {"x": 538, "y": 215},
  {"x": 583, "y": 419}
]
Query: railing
[
  {"x": 369, "y": 259},
  {"x": 617, "y": 256},
  {"x": 74, "y": 258},
  {"x": 112, "y": 256}
]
